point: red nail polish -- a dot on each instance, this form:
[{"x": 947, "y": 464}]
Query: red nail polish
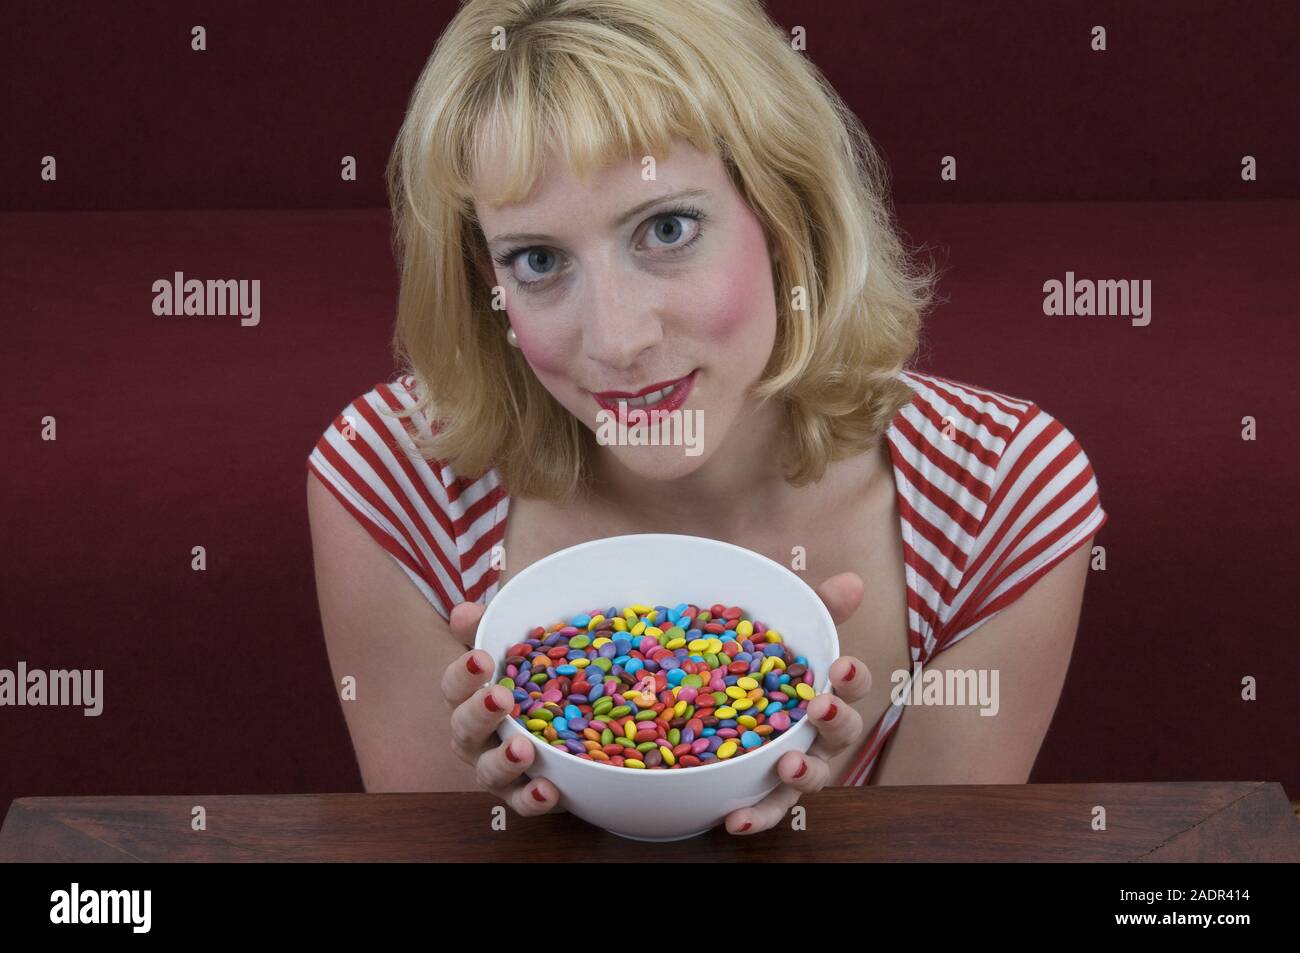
[
  {"x": 803, "y": 769},
  {"x": 853, "y": 670},
  {"x": 538, "y": 795},
  {"x": 746, "y": 826},
  {"x": 830, "y": 712},
  {"x": 473, "y": 666},
  {"x": 491, "y": 702},
  {"x": 510, "y": 754}
]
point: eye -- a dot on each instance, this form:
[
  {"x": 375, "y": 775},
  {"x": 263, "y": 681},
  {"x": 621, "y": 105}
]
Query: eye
[
  {"x": 666, "y": 227},
  {"x": 542, "y": 262}
]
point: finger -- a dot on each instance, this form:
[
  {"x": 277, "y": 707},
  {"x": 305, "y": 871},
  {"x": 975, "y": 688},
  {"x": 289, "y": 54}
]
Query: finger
[
  {"x": 466, "y": 675},
  {"x": 838, "y": 724},
  {"x": 531, "y": 797},
  {"x": 766, "y": 814},
  {"x": 850, "y": 678},
  {"x": 804, "y": 772},
  {"x": 475, "y": 719},
  {"x": 842, "y": 594},
  {"x": 464, "y": 619},
  {"x": 501, "y": 766}
]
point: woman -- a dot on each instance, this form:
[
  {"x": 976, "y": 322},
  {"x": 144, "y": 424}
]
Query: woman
[{"x": 618, "y": 197}]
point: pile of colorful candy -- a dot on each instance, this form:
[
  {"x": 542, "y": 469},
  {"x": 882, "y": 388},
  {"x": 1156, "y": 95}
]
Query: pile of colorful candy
[{"x": 654, "y": 687}]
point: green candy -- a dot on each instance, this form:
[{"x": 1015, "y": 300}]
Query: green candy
[
  {"x": 508, "y": 682},
  {"x": 607, "y": 737},
  {"x": 620, "y": 710},
  {"x": 603, "y": 664},
  {"x": 647, "y": 715},
  {"x": 579, "y": 642},
  {"x": 543, "y": 713},
  {"x": 674, "y": 736},
  {"x": 646, "y": 746},
  {"x": 694, "y": 681}
]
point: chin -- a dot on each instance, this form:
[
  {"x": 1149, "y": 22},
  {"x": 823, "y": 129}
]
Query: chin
[{"x": 660, "y": 464}]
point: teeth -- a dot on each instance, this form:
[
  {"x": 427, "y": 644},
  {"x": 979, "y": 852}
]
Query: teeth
[{"x": 646, "y": 399}]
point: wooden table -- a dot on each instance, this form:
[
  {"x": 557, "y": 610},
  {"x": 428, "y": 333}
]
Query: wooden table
[{"x": 1195, "y": 820}]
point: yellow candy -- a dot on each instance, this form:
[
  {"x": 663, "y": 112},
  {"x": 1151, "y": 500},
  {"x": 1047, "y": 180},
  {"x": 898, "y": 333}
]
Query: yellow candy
[
  {"x": 767, "y": 665},
  {"x": 629, "y": 615},
  {"x": 580, "y": 662},
  {"x": 651, "y": 615},
  {"x": 536, "y": 724},
  {"x": 654, "y": 630},
  {"x": 669, "y": 758},
  {"x": 778, "y": 663},
  {"x": 638, "y": 628},
  {"x": 740, "y": 704},
  {"x": 805, "y": 691},
  {"x": 726, "y": 711},
  {"x": 639, "y": 609},
  {"x": 714, "y": 646},
  {"x": 772, "y": 635},
  {"x": 620, "y": 624},
  {"x": 698, "y": 645},
  {"x": 749, "y": 721},
  {"x": 747, "y": 683},
  {"x": 760, "y": 704},
  {"x": 679, "y": 709},
  {"x": 633, "y": 763},
  {"x": 600, "y": 640},
  {"x": 630, "y": 731},
  {"x": 595, "y": 621},
  {"x": 674, "y": 644},
  {"x": 732, "y": 691},
  {"x": 744, "y": 629},
  {"x": 725, "y": 750}
]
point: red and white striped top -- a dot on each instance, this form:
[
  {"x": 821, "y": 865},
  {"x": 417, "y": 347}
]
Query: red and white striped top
[{"x": 992, "y": 492}]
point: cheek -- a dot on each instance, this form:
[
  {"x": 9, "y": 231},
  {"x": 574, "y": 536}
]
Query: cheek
[
  {"x": 739, "y": 305},
  {"x": 544, "y": 353}
]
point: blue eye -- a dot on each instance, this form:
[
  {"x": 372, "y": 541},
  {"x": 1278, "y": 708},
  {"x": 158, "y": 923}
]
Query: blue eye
[{"x": 542, "y": 260}]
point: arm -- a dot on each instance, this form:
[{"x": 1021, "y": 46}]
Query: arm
[
  {"x": 383, "y": 632},
  {"x": 1029, "y": 643}
]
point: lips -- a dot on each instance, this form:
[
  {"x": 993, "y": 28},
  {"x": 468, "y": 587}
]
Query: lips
[{"x": 663, "y": 396}]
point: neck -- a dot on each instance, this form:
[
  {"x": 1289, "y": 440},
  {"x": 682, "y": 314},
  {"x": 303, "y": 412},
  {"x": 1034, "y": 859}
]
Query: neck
[{"x": 738, "y": 493}]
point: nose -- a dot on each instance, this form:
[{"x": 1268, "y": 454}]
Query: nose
[{"x": 619, "y": 324}]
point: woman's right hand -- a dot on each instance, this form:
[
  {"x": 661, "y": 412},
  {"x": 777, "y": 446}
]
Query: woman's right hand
[{"x": 477, "y": 710}]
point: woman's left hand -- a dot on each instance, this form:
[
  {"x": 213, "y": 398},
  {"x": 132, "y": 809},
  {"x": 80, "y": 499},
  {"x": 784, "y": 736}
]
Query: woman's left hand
[{"x": 838, "y": 724}]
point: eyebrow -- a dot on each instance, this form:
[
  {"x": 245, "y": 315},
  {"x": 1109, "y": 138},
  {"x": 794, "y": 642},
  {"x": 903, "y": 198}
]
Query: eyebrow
[{"x": 615, "y": 223}]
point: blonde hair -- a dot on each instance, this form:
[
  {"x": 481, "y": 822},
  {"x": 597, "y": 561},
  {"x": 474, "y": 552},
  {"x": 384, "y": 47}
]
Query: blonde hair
[{"x": 599, "y": 79}]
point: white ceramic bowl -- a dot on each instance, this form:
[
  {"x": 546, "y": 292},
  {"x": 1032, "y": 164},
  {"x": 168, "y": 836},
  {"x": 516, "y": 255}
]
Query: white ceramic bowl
[{"x": 660, "y": 569}]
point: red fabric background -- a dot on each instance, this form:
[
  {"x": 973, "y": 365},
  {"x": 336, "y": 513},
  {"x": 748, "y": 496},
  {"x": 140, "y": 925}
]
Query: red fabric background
[{"x": 176, "y": 432}]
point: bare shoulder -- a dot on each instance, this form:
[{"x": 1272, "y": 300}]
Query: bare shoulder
[{"x": 388, "y": 643}]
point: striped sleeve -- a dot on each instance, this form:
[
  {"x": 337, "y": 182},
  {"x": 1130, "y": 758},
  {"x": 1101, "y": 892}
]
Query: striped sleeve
[
  {"x": 1044, "y": 504},
  {"x": 367, "y": 461}
]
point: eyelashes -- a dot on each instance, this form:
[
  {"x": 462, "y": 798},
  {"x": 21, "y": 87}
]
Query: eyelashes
[{"x": 507, "y": 258}]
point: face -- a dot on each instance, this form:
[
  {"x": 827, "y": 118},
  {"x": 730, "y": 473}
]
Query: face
[{"x": 623, "y": 285}]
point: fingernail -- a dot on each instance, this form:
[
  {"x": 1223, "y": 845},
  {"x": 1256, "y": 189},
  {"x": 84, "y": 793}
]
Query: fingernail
[
  {"x": 538, "y": 795},
  {"x": 473, "y": 666},
  {"x": 803, "y": 769},
  {"x": 853, "y": 670},
  {"x": 746, "y": 826},
  {"x": 830, "y": 712},
  {"x": 510, "y": 753},
  {"x": 491, "y": 702}
]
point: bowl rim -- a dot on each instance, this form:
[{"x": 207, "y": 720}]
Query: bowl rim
[{"x": 681, "y": 539}]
